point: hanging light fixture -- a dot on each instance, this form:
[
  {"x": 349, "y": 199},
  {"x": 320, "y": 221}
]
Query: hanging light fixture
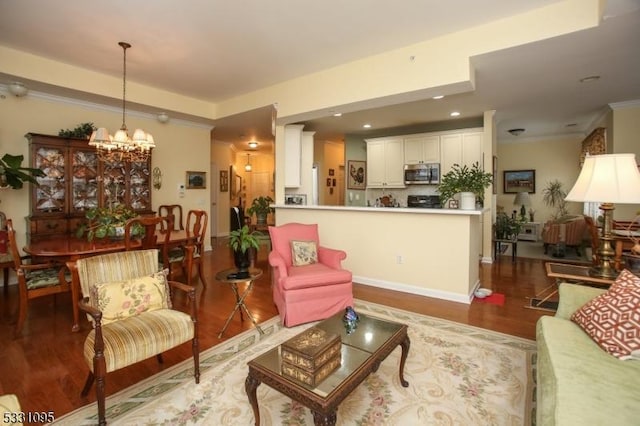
[
  {"x": 247, "y": 167},
  {"x": 121, "y": 147}
]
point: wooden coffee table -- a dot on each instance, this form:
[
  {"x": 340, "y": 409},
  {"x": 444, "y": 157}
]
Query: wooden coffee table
[{"x": 362, "y": 353}]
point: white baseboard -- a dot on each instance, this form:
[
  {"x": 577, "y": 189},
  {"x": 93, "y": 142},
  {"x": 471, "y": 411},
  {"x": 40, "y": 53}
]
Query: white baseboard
[{"x": 420, "y": 291}]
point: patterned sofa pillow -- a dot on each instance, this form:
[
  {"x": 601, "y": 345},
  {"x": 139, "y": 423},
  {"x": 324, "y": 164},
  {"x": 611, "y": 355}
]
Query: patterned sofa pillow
[
  {"x": 612, "y": 319},
  {"x": 123, "y": 299},
  {"x": 304, "y": 253}
]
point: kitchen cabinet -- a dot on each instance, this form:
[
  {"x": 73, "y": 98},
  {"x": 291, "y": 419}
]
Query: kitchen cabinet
[
  {"x": 385, "y": 163},
  {"x": 463, "y": 148},
  {"x": 76, "y": 180},
  {"x": 292, "y": 155},
  {"x": 421, "y": 149}
]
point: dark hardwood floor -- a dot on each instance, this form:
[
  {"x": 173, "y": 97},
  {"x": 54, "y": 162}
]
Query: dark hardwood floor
[{"x": 46, "y": 370}]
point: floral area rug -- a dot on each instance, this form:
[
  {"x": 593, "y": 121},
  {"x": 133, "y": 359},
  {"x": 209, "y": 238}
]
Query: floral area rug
[{"x": 458, "y": 375}]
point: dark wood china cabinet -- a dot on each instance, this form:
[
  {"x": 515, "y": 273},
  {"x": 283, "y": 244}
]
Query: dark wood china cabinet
[{"x": 76, "y": 180}]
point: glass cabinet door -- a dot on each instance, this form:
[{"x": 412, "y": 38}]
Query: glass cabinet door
[
  {"x": 50, "y": 195},
  {"x": 139, "y": 186},
  {"x": 114, "y": 184},
  {"x": 84, "y": 177}
]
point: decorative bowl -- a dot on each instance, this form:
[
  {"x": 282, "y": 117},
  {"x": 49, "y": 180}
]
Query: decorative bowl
[{"x": 481, "y": 293}]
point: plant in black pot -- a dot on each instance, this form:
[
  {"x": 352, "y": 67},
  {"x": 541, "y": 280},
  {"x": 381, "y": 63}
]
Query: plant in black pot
[
  {"x": 241, "y": 242},
  {"x": 507, "y": 227},
  {"x": 261, "y": 208}
]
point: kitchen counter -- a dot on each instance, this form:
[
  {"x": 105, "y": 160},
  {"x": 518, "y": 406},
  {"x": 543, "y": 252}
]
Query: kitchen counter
[
  {"x": 430, "y": 252},
  {"x": 417, "y": 210}
]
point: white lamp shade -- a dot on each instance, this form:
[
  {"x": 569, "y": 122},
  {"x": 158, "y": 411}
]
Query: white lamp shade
[
  {"x": 522, "y": 199},
  {"x": 608, "y": 178}
]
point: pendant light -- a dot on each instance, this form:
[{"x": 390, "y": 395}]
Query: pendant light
[
  {"x": 121, "y": 147},
  {"x": 247, "y": 167}
]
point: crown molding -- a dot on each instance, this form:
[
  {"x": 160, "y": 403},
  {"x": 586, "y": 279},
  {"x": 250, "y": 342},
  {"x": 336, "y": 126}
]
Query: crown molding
[
  {"x": 635, "y": 103},
  {"x": 48, "y": 97}
]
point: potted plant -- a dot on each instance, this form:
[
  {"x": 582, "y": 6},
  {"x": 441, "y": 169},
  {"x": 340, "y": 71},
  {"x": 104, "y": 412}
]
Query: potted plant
[
  {"x": 13, "y": 175},
  {"x": 507, "y": 227},
  {"x": 108, "y": 222},
  {"x": 463, "y": 179},
  {"x": 261, "y": 208},
  {"x": 241, "y": 241},
  {"x": 553, "y": 195}
]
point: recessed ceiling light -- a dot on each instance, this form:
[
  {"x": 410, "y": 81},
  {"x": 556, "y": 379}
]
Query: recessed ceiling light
[
  {"x": 590, "y": 79},
  {"x": 438, "y": 97},
  {"x": 367, "y": 126},
  {"x": 454, "y": 114},
  {"x": 337, "y": 114}
]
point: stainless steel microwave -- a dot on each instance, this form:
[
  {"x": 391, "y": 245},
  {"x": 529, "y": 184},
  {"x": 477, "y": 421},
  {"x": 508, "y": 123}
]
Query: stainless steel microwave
[{"x": 423, "y": 173}]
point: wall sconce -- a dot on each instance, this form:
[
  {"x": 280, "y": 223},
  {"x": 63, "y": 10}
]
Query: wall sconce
[
  {"x": 18, "y": 89},
  {"x": 247, "y": 167}
]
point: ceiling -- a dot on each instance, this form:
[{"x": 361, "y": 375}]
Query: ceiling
[{"x": 215, "y": 50}]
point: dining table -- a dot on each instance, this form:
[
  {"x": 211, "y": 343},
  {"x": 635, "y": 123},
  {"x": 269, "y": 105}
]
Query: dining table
[{"x": 69, "y": 248}]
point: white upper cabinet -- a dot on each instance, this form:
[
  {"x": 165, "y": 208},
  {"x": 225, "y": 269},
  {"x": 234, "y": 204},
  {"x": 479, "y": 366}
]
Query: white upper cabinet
[
  {"x": 421, "y": 149},
  {"x": 292, "y": 155},
  {"x": 385, "y": 163},
  {"x": 460, "y": 148}
]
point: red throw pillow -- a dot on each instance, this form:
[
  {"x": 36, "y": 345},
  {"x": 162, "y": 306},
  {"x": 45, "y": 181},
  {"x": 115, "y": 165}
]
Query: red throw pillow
[{"x": 612, "y": 319}]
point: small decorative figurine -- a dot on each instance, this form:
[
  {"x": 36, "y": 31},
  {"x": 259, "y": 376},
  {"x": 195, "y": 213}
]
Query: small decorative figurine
[{"x": 350, "y": 319}]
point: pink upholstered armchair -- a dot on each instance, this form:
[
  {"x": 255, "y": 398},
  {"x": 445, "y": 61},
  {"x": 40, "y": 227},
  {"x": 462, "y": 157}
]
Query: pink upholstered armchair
[{"x": 309, "y": 292}]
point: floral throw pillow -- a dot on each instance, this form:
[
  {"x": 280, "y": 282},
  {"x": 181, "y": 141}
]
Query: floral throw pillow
[
  {"x": 304, "y": 253},
  {"x": 123, "y": 299},
  {"x": 612, "y": 319}
]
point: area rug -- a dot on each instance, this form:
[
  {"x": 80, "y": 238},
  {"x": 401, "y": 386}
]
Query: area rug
[
  {"x": 492, "y": 299},
  {"x": 535, "y": 250},
  {"x": 457, "y": 375}
]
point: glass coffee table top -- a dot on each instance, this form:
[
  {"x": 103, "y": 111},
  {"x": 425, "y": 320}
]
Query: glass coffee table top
[{"x": 370, "y": 335}]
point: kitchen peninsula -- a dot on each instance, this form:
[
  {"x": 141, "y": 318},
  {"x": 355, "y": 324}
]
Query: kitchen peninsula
[{"x": 429, "y": 252}]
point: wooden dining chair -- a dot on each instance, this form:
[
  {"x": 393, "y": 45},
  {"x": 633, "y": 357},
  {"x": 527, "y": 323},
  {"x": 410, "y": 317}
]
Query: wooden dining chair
[
  {"x": 196, "y": 229},
  {"x": 149, "y": 240},
  {"x": 174, "y": 210},
  {"x": 6, "y": 258},
  {"x": 595, "y": 240},
  {"x": 35, "y": 280}
]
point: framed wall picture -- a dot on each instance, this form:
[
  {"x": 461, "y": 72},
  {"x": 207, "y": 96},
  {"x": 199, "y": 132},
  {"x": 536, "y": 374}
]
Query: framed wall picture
[
  {"x": 224, "y": 180},
  {"x": 196, "y": 180},
  {"x": 519, "y": 181},
  {"x": 357, "y": 174},
  {"x": 453, "y": 204}
]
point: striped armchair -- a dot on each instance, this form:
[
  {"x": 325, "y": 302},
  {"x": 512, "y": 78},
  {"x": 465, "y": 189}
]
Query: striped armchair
[
  {"x": 570, "y": 232},
  {"x": 129, "y": 304}
]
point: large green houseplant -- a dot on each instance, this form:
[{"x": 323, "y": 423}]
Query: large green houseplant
[
  {"x": 553, "y": 195},
  {"x": 464, "y": 179},
  {"x": 13, "y": 175},
  {"x": 108, "y": 222},
  {"x": 508, "y": 227},
  {"x": 261, "y": 208},
  {"x": 241, "y": 241}
]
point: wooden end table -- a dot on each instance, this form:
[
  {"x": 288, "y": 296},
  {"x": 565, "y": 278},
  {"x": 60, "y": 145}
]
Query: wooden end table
[
  {"x": 231, "y": 277},
  {"x": 362, "y": 352}
]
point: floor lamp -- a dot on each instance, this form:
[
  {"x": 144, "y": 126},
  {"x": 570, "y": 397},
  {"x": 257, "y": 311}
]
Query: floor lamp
[{"x": 607, "y": 179}]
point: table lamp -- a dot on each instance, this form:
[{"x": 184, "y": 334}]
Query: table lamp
[
  {"x": 607, "y": 179},
  {"x": 522, "y": 199}
]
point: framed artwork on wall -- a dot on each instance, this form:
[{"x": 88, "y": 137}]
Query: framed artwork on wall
[
  {"x": 196, "y": 180},
  {"x": 357, "y": 177},
  {"x": 224, "y": 180},
  {"x": 519, "y": 181}
]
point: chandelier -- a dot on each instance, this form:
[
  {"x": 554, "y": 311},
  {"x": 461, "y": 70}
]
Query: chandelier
[{"x": 121, "y": 147}]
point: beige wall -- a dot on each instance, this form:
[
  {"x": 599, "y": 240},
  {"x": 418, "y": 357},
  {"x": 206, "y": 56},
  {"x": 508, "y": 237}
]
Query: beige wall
[
  {"x": 180, "y": 147},
  {"x": 552, "y": 158},
  {"x": 626, "y": 139}
]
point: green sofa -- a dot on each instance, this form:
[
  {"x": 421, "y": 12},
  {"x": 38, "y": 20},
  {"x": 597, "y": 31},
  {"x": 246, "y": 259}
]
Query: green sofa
[{"x": 578, "y": 383}]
